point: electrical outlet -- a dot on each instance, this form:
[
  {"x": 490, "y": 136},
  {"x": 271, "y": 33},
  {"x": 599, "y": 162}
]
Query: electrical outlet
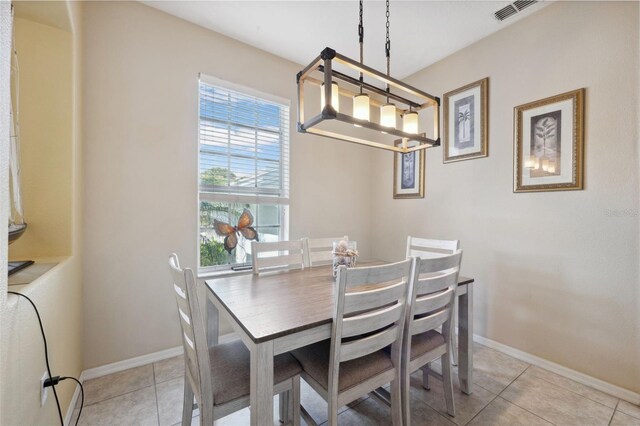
[{"x": 43, "y": 390}]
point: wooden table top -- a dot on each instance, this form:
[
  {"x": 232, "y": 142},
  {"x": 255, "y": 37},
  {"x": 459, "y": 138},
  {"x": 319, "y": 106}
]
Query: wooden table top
[{"x": 276, "y": 304}]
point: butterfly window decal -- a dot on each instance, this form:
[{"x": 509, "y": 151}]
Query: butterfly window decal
[{"x": 230, "y": 233}]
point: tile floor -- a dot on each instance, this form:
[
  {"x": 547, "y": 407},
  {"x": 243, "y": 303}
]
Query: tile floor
[{"x": 506, "y": 392}]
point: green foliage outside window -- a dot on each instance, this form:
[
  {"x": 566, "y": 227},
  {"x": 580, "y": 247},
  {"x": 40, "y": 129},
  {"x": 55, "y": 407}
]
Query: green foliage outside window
[
  {"x": 217, "y": 176},
  {"x": 212, "y": 253}
]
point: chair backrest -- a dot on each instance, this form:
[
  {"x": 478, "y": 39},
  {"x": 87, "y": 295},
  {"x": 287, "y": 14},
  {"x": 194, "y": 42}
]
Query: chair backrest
[
  {"x": 268, "y": 256},
  {"x": 369, "y": 312},
  {"x": 427, "y": 249},
  {"x": 431, "y": 296},
  {"x": 319, "y": 250},
  {"x": 194, "y": 340}
]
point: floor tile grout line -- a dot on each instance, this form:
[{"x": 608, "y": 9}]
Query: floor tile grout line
[
  {"x": 624, "y": 412},
  {"x": 351, "y": 408},
  {"x": 474, "y": 384},
  {"x": 155, "y": 391},
  {"x": 516, "y": 378},
  {"x": 484, "y": 388},
  {"x": 119, "y": 395},
  {"x": 579, "y": 394},
  {"x": 481, "y": 410},
  {"x": 528, "y": 411},
  {"x": 523, "y": 408},
  {"x": 562, "y": 387},
  {"x": 559, "y": 386},
  {"x": 614, "y": 413},
  {"x": 168, "y": 380}
]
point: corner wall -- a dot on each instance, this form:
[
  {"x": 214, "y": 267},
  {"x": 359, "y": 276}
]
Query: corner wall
[
  {"x": 556, "y": 272},
  {"x": 58, "y": 293}
]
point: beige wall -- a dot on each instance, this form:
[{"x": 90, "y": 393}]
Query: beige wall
[
  {"x": 48, "y": 62},
  {"x": 557, "y": 273},
  {"x": 44, "y": 56},
  {"x": 140, "y": 157}
]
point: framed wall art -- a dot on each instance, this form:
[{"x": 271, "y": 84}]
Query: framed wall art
[
  {"x": 466, "y": 122},
  {"x": 408, "y": 173},
  {"x": 548, "y": 143}
]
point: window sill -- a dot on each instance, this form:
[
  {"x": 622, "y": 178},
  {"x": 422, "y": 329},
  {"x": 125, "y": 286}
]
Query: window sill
[{"x": 204, "y": 275}]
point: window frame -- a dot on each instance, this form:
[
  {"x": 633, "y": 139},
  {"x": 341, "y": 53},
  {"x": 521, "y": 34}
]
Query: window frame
[{"x": 264, "y": 198}]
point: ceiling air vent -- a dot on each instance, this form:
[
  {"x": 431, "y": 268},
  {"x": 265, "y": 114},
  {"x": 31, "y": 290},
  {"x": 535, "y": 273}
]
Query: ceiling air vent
[
  {"x": 523, "y": 4},
  {"x": 513, "y": 8},
  {"x": 505, "y": 12}
]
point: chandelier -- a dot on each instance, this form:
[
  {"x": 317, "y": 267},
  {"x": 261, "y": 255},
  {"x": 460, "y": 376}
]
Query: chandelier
[{"x": 397, "y": 107}]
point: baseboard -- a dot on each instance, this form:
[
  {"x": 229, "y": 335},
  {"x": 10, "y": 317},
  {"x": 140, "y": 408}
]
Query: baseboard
[
  {"x": 138, "y": 361},
  {"x": 103, "y": 370},
  {"x": 598, "y": 384}
]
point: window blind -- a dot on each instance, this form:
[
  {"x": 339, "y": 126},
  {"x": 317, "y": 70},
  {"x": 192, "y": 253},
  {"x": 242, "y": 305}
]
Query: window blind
[{"x": 244, "y": 146}]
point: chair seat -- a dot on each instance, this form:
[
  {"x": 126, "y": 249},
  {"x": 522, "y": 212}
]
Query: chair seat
[
  {"x": 230, "y": 370},
  {"x": 425, "y": 342},
  {"x": 314, "y": 360}
]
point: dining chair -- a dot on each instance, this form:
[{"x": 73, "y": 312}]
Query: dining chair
[
  {"x": 369, "y": 315},
  {"x": 277, "y": 255},
  {"x": 430, "y": 307},
  {"x": 428, "y": 249},
  {"x": 219, "y": 377},
  {"x": 319, "y": 250}
]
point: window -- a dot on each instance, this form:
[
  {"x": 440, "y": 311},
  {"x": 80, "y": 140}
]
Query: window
[{"x": 243, "y": 164}]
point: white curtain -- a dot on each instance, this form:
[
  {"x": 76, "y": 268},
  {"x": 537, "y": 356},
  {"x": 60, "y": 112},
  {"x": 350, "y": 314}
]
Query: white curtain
[{"x": 16, "y": 214}]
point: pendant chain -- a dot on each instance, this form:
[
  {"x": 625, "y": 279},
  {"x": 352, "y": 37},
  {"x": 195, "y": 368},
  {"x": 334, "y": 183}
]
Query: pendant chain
[
  {"x": 387, "y": 49},
  {"x": 361, "y": 40}
]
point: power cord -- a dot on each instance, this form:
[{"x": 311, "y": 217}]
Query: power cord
[{"x": 52, "y": 381}]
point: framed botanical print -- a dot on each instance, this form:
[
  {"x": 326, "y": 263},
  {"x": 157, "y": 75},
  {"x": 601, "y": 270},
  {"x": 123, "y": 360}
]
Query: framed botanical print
[
  {"x": 548, "y": 143},
  {"x": 408, "y": 173},
  {"x": 466, "y": 121}
]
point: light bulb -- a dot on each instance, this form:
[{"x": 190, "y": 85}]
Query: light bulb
[
  {"x": 536, "y": 163},
  {"x": 335, "y": 97},
  {"x": 545, "y": 165},
  {"x": 410, "y": 122},
  {"x": 388, "y": 115},
  {"x": 552, "y": 167},
  {"x": 361, "y": 106}
]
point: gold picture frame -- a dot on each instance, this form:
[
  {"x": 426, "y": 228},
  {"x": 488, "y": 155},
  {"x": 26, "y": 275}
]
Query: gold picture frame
[
  {"x": 408, "y": 173},
  {"x": 469, "y": 139},
  {"x": 549, "y": 144}
]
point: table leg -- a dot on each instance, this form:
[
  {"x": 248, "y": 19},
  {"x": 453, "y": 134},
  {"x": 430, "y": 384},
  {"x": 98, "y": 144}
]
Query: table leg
[
  {"x": 465, "y": 340},
  {"x": 284, "y": 409},
  {"x": 261, "y": 390},
  {"x": 212, "y": 323}
]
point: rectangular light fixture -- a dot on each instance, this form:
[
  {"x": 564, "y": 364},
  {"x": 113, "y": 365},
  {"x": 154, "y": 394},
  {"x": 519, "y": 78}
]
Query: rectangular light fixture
[{"x": 413, "y": 100}]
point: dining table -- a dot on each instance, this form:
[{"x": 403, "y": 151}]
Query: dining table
[{"x": 276, "y": 312}]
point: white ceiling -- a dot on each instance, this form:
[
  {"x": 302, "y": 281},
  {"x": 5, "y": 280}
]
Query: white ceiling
[{"x": 422, "y": 32}]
